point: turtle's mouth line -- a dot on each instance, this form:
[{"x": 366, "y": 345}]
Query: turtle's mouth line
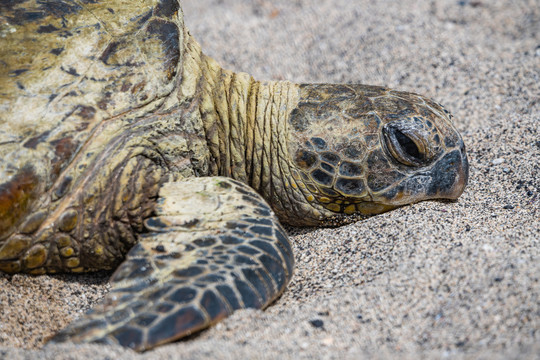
[
  {"x": 446, "y": 180},
  {"x": 461, "y": 179}
]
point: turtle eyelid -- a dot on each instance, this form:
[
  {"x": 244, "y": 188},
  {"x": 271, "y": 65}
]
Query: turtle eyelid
[
  {"x": 408, "y": 145},
  {"x": 403, "y": 147}
]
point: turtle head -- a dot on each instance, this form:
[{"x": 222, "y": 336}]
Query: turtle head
[{"x": 359, "y": 150}]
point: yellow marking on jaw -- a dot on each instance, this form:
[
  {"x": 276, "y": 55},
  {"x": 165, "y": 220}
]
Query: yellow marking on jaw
[
  {"x": 294, "y": 185},
  {"x": 310, "y": 198},
  {"x": 72, "y": 262},
  {"x": 324, "y": 199},
  {"x": 38, "y": 271},
  {"x": 351, "y": 209},
  {"x": 333, "y": 207}
]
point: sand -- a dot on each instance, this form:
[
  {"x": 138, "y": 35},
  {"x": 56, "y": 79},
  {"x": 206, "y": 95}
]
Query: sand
[{"x": 432, "y": 280}]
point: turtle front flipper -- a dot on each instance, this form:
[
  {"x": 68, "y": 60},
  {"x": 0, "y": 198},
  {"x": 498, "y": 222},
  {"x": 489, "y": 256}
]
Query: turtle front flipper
[{"x": 213, "y": 246}]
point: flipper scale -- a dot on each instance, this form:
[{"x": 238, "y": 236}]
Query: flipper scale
[{"x": 213, "y": 246}]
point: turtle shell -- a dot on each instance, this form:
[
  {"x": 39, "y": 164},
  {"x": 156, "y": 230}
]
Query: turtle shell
[{"x": 68, "y": 68}]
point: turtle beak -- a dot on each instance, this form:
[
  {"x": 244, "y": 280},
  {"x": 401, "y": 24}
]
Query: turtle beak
[
  {"x": 447, "y": 179},
  {"x": 455, "y": 180},
  {"x": 462, "y": 178}
]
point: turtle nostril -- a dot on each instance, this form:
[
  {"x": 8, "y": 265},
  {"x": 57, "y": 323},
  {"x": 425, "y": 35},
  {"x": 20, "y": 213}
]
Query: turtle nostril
[{"x": 407, "y": 145}]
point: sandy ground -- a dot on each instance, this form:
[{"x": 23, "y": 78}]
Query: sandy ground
[{"x": 432, "y": 280}]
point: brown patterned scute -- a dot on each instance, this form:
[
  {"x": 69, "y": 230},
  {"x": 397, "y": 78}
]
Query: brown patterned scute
[
  {"x": 79, "y": 115},
  {"x": 16, "y": 197}
]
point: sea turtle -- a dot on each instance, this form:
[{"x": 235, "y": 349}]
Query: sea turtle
[{"x": 124, "y": 146}]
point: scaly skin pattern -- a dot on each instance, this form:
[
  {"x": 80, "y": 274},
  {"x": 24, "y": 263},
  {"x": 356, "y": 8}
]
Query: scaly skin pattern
[
  {"x": 124, "y": 147},
  {"x": 91, "y": 126},
  {"x": 165, "y": 289},
  {"x": 344, "y": 145}
]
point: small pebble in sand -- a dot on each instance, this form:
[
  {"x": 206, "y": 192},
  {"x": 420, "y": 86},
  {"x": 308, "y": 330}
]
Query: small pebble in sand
[
  {"x": 317, "y": 323},
  {"x": 497, "y": 161},
  {"x": 327, "y": 341}
]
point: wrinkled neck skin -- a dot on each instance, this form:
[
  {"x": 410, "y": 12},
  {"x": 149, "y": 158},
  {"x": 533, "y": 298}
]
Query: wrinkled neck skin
[{"x": 247, "y": 131}]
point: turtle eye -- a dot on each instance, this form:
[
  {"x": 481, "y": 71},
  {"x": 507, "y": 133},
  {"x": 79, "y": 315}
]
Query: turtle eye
[
  {"x": 408, "y": 146},
  {"x": 403, "y": 147}
]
